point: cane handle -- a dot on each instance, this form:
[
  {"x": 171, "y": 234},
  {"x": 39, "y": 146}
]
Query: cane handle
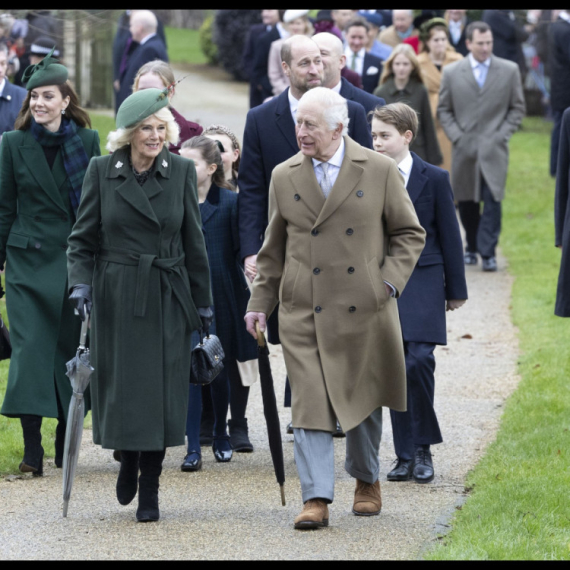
[{"x": 260, "y": 335}]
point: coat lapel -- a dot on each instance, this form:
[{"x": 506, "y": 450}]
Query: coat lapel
[
  {"x": 284, "y": 120},
  {"x": 128, "y": 188},
  {"x": 210, "y": 206},
  {"x": 34, "y": 158},
  {"x": 305, "y": 183},
  {"x": 348, "y": 178},
  {"x": 417, "y": 180},
  {"x": 468, "y": 75},
  {"x": 492, "y": 75}
]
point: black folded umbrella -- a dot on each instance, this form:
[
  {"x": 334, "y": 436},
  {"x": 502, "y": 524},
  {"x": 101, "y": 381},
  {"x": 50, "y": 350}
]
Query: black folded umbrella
[{"x": 270, "y": 411}]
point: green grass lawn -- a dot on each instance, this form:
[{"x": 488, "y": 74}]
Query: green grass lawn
[
  {"x": 183, "y": 46},
  {"x": 103, "y": 124},
  {"x": 519, "y": 507}
]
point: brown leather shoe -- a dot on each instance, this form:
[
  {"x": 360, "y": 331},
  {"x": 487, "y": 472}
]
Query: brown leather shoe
[
  {"x": 367, "y": 499},
  {"x": 315, "y": 514}
]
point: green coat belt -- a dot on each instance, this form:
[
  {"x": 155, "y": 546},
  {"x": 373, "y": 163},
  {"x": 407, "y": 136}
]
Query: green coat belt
[
  {"x": 143, "y": 250},
  {"x": 35, "y": 221}
]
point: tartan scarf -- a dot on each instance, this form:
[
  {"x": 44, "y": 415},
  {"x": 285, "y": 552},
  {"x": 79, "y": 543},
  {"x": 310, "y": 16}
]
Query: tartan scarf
[{"x": 75, "y": 159}]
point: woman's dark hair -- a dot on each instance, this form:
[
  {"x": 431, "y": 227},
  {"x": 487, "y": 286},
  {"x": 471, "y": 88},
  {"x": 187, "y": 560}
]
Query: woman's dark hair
[
  {"x": 73, "y": 111},
  {"x": 211, "y": 155}
]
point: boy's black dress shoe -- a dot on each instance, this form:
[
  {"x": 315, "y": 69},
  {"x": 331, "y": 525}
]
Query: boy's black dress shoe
[
  {"x": 402, "y": 471},
  {"x": 423, "y": 466},
  {"x": 470, "y": 258},
  {"x": 489, "y": 264}
]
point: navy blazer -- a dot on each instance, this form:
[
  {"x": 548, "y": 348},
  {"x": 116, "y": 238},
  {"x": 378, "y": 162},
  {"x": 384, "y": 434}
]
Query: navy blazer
[
  {"x": 440, "y": 272},
  {"x": 370, "y": 82},
  {"x": 229, "y": 288},
  {"x": 10, "y": 105},
  {"x": 149, "y": 51},
  {"x": 367, "y": 100},
  {"x": 261, "y": 62},
  {"x": 269, "y": 139},
  {"x": 256, "y": 31}
]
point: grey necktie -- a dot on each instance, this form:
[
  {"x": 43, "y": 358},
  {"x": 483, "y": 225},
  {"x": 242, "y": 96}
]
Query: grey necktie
[{"x": 325, "y": 182}]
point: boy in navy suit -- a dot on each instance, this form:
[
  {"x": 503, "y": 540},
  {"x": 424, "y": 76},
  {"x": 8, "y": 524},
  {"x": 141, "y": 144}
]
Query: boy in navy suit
[{"x": 437, "y": 285}]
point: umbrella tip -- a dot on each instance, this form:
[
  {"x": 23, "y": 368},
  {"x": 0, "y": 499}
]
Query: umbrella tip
[{"x": 282, "y": 488}]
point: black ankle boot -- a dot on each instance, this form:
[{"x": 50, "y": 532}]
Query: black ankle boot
[
  {"x": 59, "y": 442},
  {"x": 151, "y": 467},
  {"x": 239, "y": 437},
  {"x": 33, "y": 461},
  {"x": 127, "y": 479}
]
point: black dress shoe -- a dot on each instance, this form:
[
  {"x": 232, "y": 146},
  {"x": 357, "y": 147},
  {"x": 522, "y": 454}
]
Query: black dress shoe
[
  {"x": 338, "y": 432},
  {"x": 423, "y": 466},
  {"x": 192, "y": 462},
  {"x": 290, "y": 428},
  {"x": 470, "y": 258},
  {"x": 222, "y": 449},
  {"x": 402, "y": 471},
  {"x": 489, "y": 264}
]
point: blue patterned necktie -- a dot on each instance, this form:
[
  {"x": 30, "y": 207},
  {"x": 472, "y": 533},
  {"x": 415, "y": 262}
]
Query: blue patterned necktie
[{"x": 482, "y": 75}]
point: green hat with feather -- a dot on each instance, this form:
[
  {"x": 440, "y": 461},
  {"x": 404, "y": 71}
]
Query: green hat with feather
[
  {"x": 140, "y": 105},
  {"x": 47, "y": 72}
]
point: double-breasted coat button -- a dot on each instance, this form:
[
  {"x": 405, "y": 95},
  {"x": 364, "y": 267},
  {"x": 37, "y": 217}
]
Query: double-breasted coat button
[
  {"x": 351, "y": 309},
  {"x": 316, "y": 270},
  {"x": 360, "y": 193},
  {"x": 38, "y": 245},
  {"x": 315, "y": 232},
  {"x": 318, "y": 309},
  {"x": 297, "y": 197},
  {"x": 349, "y": 231},
  {"x": 351, "y": 269}
]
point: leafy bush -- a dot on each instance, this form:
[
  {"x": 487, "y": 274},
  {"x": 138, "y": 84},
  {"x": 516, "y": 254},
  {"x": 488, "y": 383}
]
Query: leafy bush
[
  {"x": 208, "y": 47},
  {"x": 229, "y": 34}
]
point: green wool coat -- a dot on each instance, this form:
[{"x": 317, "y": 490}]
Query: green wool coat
[
  {"x": 35, "y": 221},
  {"x": 143, "y": 250}
]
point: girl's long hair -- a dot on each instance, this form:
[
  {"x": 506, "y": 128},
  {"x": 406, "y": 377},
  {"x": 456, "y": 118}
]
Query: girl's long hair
[{"x": 211, "y": 154}]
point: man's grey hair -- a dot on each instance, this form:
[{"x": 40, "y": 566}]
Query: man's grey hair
[
  {"x": 409, "y": 12},
  {"x": 146, "y": 18},
  {"x": 334, "y": 106}
]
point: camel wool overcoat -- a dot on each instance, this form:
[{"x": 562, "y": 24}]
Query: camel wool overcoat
[
  {"x": 142, "y": 249},
  {"x": 325, "y": 261}
]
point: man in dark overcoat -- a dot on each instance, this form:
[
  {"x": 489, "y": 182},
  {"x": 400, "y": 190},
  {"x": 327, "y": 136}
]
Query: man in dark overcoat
[
  {"x": 143, "y": 28},
  {"x": 562, "y": 218},
  {"x": 11, "y": 96}
]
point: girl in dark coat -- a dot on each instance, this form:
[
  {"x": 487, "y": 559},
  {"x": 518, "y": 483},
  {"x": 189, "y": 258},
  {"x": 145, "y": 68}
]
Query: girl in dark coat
[
  {"x": 402, "y": 80},
  {"x": 42, "y": 166},
  {"x": 218, "y": 208}
]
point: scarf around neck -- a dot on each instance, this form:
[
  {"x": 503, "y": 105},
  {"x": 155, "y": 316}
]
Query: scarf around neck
[{"x": 75, "y": 159}]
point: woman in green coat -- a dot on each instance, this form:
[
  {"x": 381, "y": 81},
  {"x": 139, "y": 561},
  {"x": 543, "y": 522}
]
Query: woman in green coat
[
  {"x": 137, "y": 256},
  {"x": 42, "y": 166}
]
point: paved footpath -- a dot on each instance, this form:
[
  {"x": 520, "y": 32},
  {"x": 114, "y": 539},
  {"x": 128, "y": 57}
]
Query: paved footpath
[{"x": 233, "y": 510}]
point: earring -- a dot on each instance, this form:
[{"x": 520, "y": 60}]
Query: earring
[{"x": 63, "y": 111}]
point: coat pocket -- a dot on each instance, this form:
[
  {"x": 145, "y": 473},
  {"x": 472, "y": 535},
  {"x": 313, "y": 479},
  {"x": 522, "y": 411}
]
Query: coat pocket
[
  {"x": 377, "y": 283},
  {"x": 288, "y": 282},
  {"x": 18, "y": 240}
]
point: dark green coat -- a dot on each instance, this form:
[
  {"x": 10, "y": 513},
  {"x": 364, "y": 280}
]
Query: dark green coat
[
  {"x": 143, "y": 250},
  {"x": 35, "y": 221}
]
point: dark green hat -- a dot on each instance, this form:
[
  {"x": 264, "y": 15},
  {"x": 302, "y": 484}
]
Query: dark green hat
[
  {"x": 140, "y": 105},
  {"x": 427, "y": 26},
  {"x": 47, "y": 72}
]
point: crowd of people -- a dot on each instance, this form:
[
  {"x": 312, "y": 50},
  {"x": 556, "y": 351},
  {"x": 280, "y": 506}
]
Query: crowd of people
[{"x": 333, "y": 227}]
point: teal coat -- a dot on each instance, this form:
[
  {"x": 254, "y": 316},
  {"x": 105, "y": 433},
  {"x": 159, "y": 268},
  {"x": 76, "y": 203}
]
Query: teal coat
[
  {"x": 35, "y": 221},
  {"x": 143, "y": 250}
]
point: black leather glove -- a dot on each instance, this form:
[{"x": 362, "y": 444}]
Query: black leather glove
[
  {"x": 81, "y": 299},
  {"x": 207, "y": 317}
]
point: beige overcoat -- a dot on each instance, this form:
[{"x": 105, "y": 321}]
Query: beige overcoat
[
  {"x": 432, "y": 80},
  {"x": 325, "y": 261},
  {"x": 390, "y": 36},
  {"x": 479, "y": 123}
]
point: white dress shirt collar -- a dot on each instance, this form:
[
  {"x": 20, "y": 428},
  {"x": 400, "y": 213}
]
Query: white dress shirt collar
[
  {"x": 359, "y": 63},
  {"x": 474, "y": 63},
  {"x": 455, "y": 29},
  {"x": 336, "y": 159},
  {"x": 337, "y": 87},
  {"x": 2, "y": 85},
  {"x": 146, "y": 38},
  {"x": 405, "y": 167},
  {"x": 293, "y": 105}
]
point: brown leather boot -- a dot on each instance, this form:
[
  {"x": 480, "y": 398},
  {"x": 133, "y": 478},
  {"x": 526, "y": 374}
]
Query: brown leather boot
[
  {"x": 367, "y": 499},
  {"x": 315, "y": 514}
]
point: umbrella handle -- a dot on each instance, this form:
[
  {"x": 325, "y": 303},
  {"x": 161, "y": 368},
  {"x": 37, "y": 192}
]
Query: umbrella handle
[
  {"x": 84, "y": 329},
  {"x": 260, "y": 336}
]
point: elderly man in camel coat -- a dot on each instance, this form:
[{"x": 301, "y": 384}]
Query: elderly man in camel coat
[{"x": 343, "y": 239}]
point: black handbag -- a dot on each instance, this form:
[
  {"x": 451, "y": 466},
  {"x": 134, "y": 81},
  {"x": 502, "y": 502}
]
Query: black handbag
[
  {"x": 5, "y": 344},
  {"x": 207, "y": 359}
]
